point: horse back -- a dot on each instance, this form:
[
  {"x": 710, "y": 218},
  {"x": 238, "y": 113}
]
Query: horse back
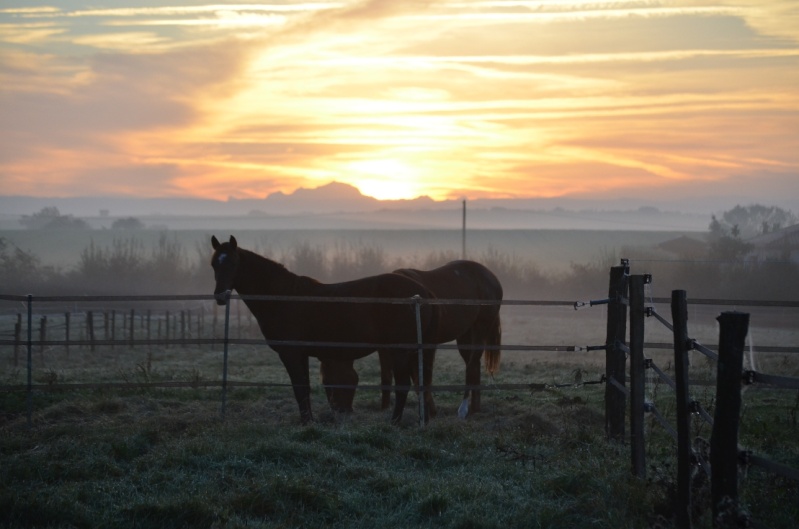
[
  {"x": 382, "y": 321},
  {"x": 460, "y": 280}
]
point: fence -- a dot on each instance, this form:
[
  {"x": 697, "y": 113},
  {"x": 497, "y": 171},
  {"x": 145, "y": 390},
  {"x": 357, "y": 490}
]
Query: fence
[
  {"x": 725, "y": 454},
  {"x": 130, "y": 328},
  {"x": 144, "y": 328}
]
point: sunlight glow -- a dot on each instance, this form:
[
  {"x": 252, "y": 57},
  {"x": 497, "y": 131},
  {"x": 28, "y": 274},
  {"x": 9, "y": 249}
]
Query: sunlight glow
[{"x": 384, "y": 179}]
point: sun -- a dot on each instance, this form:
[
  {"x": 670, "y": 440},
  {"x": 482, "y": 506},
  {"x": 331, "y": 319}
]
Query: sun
[{"x": 385, "y": 179}]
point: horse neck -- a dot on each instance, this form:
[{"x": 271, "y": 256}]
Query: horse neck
[{"x": 258, "y": 275}]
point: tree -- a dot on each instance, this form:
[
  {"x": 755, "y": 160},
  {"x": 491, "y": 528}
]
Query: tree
[
  {"x": 725, "y": 242},
  {"x": 129, "y": 223},
  {"x": 754, "y": 219},
  {"x": 19, "y": 268},
  {"x": 49, "y": 218}
]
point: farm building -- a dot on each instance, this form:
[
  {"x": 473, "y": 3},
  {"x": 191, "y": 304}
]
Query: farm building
[{"x": 779, "y": 245}]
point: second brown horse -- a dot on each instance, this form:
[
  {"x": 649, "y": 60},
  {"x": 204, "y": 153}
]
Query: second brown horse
[{"x": 471, "y": 317}]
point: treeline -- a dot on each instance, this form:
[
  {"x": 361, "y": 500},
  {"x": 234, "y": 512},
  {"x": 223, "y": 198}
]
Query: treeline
[{"x": 128, "y": 267}]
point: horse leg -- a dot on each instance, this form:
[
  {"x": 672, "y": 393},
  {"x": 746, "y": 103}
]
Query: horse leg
[
  {"x": 471, "y": 357},
  {"x": 343, "y": 397},
  {"x": 490, "y": 338},
  {"x": 463, "y": 409},
  {"x": 473, "y": 372},
  {"x": 297, "y": 366},
  {"x": 386, "y": 375},
  {"x": 402, "y": 379},
  {"x": 429, "y": 356},
  {"x": 430, "y": 409},
  {"x": 324, "y": 373},
  {"x": 429, "y": 404}
]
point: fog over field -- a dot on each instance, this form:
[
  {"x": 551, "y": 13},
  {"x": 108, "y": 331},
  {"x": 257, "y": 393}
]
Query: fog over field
[
  {"x": 551, "y": 233},
  {"x": 335, "y": 233},
  {"x": 550, "y": 250}
]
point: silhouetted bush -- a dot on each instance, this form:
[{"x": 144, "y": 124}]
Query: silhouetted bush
[
  {"x": 21, "y": 271},
  {"x": 129, "y": 223},
  {"x": 50, "y": 218},
  {"x": 128, "y": 267}
]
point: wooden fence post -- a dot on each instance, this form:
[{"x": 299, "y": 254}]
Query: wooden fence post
[
  {"x": 17, "y": 338},
  {"x": 30, "y": 360},
  {"x": 183, "y": 326},
  {"x": 132, "y": 326},
  {"x": 724, "y": 440},
  {"x": 679, "y": 316},
  {"x": 225, "y": 353},
  {"x": 615, "y": 357},
  {"x": 67, "y": 322},
  {"x": 42, "y": 334},
  {"x": 637, "y": 375},
  {"x": 201, "y": 322},
  {"x": 90, "y": 329}
]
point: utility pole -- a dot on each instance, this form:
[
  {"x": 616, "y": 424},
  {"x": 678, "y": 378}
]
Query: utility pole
[{"x": 463, "y": 233}]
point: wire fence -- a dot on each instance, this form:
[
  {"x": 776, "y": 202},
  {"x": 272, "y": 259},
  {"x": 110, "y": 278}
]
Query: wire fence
[
  {"x": 724, "y": 454},
  {"x": 202, "y": 325},
  {"x": 195, "y": 321}
]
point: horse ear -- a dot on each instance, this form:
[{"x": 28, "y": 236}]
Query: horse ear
[
  {"x": 215, "y": 242},
  {"x": 233, "y": 243}
]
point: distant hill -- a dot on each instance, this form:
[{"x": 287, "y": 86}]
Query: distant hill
[
  {"x": 330, "y": 198},
  {"x": 342, "y": 206}
]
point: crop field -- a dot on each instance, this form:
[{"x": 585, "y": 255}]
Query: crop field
[{"x": 538, "y": 457}]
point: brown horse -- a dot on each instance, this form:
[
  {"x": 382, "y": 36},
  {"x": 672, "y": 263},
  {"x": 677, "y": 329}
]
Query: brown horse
[
  {"x": 338, "y": 323},
  {"x": 475, "y": 327}
]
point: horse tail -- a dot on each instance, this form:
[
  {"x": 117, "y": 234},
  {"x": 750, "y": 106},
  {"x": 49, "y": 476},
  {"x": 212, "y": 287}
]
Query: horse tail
[{"x": 493, "y": 338}]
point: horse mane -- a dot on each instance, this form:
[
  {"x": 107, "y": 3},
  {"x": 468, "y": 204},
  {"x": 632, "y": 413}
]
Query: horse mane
[
  {"x": 258, "y": 258},
  {"x": 282, "y": 279}
]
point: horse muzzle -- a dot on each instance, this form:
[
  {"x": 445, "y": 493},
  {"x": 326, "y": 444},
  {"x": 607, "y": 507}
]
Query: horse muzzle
[{"x": 222, "y": 297}]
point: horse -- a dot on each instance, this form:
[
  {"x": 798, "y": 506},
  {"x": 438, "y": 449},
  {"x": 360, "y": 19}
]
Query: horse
[
  {"x": 476, "y": 328},
  {"x": 336, "y": 322}
]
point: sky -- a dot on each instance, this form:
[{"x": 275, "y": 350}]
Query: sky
[{"x": 448, "y": 99}]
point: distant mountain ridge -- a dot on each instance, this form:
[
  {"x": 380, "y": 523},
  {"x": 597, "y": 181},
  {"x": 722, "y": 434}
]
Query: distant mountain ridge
[
  {"x": 338, "y": 205},
  {"x": 334, "y": 197}
]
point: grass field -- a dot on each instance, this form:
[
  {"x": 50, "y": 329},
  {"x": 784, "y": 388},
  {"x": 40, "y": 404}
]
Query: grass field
[{"x": 165, "y": 458}]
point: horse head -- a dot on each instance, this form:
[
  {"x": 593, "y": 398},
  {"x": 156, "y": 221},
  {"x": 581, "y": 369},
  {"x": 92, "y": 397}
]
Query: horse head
[{"x": 225, "y": 263}]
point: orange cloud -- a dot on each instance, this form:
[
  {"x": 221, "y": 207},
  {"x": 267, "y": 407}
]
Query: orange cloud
[{"x": 446, "y": 99}]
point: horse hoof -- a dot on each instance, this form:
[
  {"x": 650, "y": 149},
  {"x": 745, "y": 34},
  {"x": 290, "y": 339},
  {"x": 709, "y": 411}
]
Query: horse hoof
[{"x": 463, "y": 409}]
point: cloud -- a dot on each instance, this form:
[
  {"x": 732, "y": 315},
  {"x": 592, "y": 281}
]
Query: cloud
[
  {"x": 248, "y": 99},
  {"x": 114, "y": 109}
]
